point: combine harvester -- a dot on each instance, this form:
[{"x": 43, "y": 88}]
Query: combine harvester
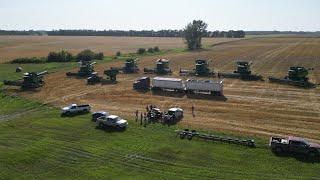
[
  {"x": 162, "y": 68},
  {"x": 202, "y": 69},
  {"x": 297, "y": 76},
  {"x": 111, "y": 77},
  {"x": 243, "y": 72},
  {"x": 31, "y": 80},
  {"x": 85, "y": 70},
  {"x": 191, "y": 86},
  {"x": 131, "y": 66}
]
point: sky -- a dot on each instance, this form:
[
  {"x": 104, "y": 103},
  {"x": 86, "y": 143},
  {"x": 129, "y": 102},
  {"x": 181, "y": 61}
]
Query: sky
[{"x": 283, "y": 15}]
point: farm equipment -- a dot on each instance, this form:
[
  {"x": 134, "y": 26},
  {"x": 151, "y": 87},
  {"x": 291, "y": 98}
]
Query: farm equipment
[
  {"x": 191, "y": 86},
  {"x": 131, "y": 66},
  {"x": 297, "y": 76},
  {"x": 202, "y": 69},
  {"x": 243, "y": 72},
  {"x": 162, "y": 67},
  {"x": 111, "y": 77},
  {"x": 31, "y": 80},
  {"x": 85, "y": 69},
  {"x": 186, "y": 133},
  {"x": 154, "y": 114},
  {"x": 142, "y": 84}
]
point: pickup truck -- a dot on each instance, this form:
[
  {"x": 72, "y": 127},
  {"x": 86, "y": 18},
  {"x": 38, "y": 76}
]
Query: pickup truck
[
  {"x": 75, "y": 109},
  {"x": 294, "y": 145},
  {"x": 112, "y": 121}
]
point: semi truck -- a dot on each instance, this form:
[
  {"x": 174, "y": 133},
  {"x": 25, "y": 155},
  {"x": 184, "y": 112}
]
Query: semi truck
[{"x": 213, "y": 87}]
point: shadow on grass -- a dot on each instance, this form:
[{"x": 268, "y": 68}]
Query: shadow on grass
[
  {"x": 300, "y": 157},
  {"x": 110, "y": 129},
  {"x": 73, "y": 114}
]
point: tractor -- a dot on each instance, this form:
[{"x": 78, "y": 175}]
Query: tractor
[
  {"x": 31, "y": 80},
  {"x": 243, "y": 72},
  {"x": 85, "y": 69},
  {"x": 131, "y": 66},
  {"x": 202, "y": 69},
  {"x": 297, "y": 76},
  {"x": 111, "y": 77},
  {"x": 162, "y": 67}
]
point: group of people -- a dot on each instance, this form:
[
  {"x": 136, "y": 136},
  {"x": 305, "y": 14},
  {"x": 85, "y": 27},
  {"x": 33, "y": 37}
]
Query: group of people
[{"x": 145, "y": 117}]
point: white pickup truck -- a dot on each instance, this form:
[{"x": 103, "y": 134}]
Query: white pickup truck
[
  {"x": 74, "y": 109},
  {"x": 112, "y": 121}
]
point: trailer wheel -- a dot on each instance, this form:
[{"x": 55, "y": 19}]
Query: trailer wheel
[
  {"x": 181, "y": 136},
  {"x": 189, "y": 137}
]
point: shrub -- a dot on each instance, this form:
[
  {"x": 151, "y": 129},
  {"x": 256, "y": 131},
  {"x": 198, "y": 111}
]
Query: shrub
[
  {"x": 26, "y": 60},
  {"x": 156, "y": 49},
  {"x": 150, "y": 50},
  {"x": 99, "y": 56},
  {"x": 141, "y": 51},
  {"x": 118, "y": 53},
  {"x": 63, "y": 56},
  {"x": 86, "y": 55}
]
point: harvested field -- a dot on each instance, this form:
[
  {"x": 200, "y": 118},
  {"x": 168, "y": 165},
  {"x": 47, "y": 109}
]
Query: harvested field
[
  {"x": 251, "y": 108},
  {"x": 28, "y": 46}
]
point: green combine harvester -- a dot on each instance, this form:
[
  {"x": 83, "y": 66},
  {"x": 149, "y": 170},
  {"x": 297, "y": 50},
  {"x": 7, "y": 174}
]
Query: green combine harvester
[
  {"x": 297, "y": 76},
  {"x": 162, "y": 68},
  {"x": 202, "y": 69},
  {"x": 111, "y": 77},
  {"x": 131, "y": 66},
  {"x": 243, "y": 72},
  {"x": 31, "y": 80},
  {"x": 85, "y": 70}
]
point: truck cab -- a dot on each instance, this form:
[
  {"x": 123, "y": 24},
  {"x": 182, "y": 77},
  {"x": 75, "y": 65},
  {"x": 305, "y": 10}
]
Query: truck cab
[{"x": 293, "y": 144}]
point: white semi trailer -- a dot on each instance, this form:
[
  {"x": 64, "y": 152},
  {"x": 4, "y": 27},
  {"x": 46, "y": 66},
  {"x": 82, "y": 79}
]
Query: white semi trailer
[
  {"x": 161, "y": 83},
  {"x": 213, "y": 87}
]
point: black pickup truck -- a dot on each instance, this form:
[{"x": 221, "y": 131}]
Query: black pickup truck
[{"x": 294, "y": 145}]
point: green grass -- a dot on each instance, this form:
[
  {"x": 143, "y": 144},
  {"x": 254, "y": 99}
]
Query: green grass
[{"x": 43, "y": 145}]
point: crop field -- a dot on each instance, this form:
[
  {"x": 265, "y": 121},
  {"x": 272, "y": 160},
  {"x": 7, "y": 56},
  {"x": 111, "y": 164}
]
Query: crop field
[
  {"x": 35, "y": 139},
  {"x": 253, "y": 108},
  {"x": 29, "y": 46}
]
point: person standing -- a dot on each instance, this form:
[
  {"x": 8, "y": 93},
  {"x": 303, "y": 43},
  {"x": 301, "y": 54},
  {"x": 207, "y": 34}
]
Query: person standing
[
  {"x": 141, "y": 118},
  {"x": 137, "y": 115},
  {"x": 193, "y": 109}
]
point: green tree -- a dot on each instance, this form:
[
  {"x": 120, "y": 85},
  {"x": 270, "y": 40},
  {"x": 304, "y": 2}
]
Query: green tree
[
  {"x": 86, "y": 55},
  {"x": 193, "y": 33}
]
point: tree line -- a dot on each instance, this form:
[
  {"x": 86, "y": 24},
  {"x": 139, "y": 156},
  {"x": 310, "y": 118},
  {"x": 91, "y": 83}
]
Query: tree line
[{"x": 143, "y": 33}]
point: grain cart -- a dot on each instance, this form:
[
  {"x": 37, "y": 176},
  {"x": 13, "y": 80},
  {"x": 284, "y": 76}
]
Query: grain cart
[
  {"x": 243, "y": 72},
  {"x": 162, "y": 67},
  {"x": 202, "y": 69},
  {"x": 297, "y": 76},
  {"x": 31, "y": 80},
  {"x": 131, "y": 66},
  {"x": 85, "y": 69},
  {"x": 213, "y": 87},
  {"x": 142, "y": 83},
  {"x": 111, "y": 76}
]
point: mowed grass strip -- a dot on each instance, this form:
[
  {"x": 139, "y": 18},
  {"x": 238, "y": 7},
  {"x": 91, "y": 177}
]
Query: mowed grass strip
[{"x": 44, "y": 145}]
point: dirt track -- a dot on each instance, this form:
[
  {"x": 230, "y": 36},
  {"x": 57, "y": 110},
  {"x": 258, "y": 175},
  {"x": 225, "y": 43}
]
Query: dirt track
[{"x": 253, "y": 108}]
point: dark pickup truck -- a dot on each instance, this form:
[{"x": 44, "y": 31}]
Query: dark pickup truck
[{"x": 294, "y": 145}]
